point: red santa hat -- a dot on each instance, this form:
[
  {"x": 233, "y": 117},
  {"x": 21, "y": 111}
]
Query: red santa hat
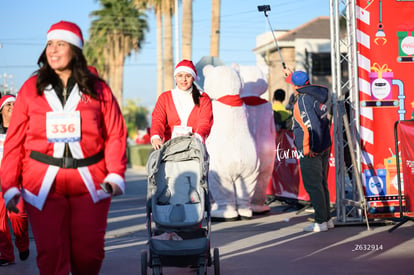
[
  {"x": 66, "y": 31},
  {"x": 5, "y": 99},
  {"x": 188, "y": 67}
]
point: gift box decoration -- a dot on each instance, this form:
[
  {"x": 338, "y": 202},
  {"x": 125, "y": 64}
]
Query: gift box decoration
[{"x": 381, "y": 82}]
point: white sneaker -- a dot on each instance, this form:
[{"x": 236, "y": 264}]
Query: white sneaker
[
  {"x": 316, "y": 227},
  {"x": 330, "y": 224}
]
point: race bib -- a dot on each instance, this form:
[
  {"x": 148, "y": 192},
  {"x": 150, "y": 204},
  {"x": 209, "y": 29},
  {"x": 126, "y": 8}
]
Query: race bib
[
  {"x": 63, "y": 126},
  {"x": 181, "y": 131}
]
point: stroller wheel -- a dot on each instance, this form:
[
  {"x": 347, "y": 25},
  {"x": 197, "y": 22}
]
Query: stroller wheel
[
  {"x": 209, "y": 259},
  {"x": 144, "y": 259},
  {"x": 156, "y": 270},
  {"x": 202, "y": 270},
  {"x": 216, "y": 256}
]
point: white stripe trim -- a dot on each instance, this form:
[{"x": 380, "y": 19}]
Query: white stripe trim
[
  {"x": 362, "y": 15},
  {"x": 364, "y": 63},
  {"x": 367, "y": 135},
  {"x": 363, "y": 39},
  {"x": 367, "y": 158},
  {"x": 367, "y": 113},
  {"x": 364, "y": 86}
]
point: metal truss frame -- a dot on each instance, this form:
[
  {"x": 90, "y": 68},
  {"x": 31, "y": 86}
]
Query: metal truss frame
[{"x": 350, "y": 198}]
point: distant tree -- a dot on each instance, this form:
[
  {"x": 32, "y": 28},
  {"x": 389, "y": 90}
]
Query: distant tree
[
  {"x": 167, "y": 11},
  {"x": 93, "y": 50},
  {"x": 117, "y": 30},
  {"x": 215, "y": 28},
  {"x": 135, "y": 116},
  {"x": 156, "y": 6},
  {"x": 187, "y": 29},
  {"x": 165, "y": 67}
]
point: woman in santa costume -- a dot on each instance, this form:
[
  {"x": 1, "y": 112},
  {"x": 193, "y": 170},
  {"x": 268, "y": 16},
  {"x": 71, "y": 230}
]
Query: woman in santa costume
[
  {"x": 19, "y": 222},
  {"x": 183, "y": 110},
  {"x": 66, "y": 137}
]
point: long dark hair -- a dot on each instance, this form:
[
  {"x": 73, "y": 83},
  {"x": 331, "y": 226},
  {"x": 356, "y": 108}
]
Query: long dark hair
[
  {"x": 80, "y": 72},
  {"x": 196, "y": 95}
]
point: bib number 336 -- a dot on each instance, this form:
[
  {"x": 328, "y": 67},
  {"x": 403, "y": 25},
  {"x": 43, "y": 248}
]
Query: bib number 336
[{"x": 63, "y": 126}]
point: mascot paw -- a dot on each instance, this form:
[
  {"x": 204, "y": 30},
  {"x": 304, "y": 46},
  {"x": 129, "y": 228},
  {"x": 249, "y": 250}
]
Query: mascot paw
[
  {"x": 245, "y": 213},
  {"x": 224, "y": 214},
  {"x": 260, "y": 209}
]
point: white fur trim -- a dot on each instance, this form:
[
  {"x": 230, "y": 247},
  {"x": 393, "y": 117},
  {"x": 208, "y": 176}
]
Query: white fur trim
[
  {"x": 187, "y": 70},
  {"x": 76, "y": 150},
  {"x": 154, "y": 137},
  {"x": 66, "y": 36},
  {"x": 10, "y": 194},
  {"x": 39, "y": 200},
  {"x": 10, "y": 99},
  {"x": 117, "y": 179},
  {"x": 183, "y": 100}
]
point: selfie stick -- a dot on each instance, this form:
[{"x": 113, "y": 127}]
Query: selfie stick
[{"x": 265, "y": 9}]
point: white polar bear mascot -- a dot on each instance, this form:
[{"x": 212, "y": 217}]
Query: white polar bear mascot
[
  {"x": 262, "y": 128},
  {"x": 233, "y": 169}
]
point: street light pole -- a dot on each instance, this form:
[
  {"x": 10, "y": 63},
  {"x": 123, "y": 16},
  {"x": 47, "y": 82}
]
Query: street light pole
[
  {"x": 176, "y": 28},
  {"x": 5, "y": 86}
]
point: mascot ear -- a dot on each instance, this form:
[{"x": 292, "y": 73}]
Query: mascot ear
[
  {"x": 236, "y": 67},
  {"x": 207, "y": 69}
]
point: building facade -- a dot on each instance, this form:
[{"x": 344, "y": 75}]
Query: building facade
[{"x": 307, "y": 48}]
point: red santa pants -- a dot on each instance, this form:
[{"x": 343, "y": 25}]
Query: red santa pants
[
  {"x": 70, "y": 229},
  {"x": 20, "y": 226}
]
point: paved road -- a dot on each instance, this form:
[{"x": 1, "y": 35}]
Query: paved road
[{"x": 269, "y": 244}]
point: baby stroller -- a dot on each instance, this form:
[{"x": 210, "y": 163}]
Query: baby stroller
[{"x": 178, "y": 208}]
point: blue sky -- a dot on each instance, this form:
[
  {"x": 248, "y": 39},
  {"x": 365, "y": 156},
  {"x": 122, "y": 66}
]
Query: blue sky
[{"x": 24, "y": 23}]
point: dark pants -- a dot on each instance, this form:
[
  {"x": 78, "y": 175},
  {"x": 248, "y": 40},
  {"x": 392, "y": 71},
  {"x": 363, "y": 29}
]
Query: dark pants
[{"x": 314, "y": 176}]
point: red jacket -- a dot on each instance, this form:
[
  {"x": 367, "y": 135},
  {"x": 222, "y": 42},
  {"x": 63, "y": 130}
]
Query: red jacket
[
  {"x": 102, "y": 128},
  {"x": 165, "y": 117}
]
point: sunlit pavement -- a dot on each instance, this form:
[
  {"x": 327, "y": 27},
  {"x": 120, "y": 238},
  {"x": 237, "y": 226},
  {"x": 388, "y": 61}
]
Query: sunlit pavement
[{"x": 273, "y": 243}]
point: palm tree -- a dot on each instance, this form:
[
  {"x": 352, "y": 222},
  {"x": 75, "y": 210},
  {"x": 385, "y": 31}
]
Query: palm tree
[
  {"x": 156, "y": 6},
  {"x": 187, "y": 29},
  {"x": 167, "y": 11},
  {"x": 215, "y": 28},
  {"x": 122, "y": 26},
  {"x": 160, "y": 54},
  {"x": 163, "y": 10},
  {"x": 93, "y": 50}
]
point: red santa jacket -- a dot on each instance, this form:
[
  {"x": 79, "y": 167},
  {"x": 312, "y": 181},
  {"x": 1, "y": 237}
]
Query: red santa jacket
[
  {"x": 165, "y": 117},
  {"x": 102, "y": 129}
]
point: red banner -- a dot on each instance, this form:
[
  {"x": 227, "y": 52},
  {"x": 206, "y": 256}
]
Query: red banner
[
  {"x": 287, "y": 180},
  {"x": 406, "y": 148},
  {"x": 385, "y": 37}
]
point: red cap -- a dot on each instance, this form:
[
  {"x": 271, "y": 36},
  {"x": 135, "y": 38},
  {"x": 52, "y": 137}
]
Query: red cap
[
  {"x": 66, "y": 31},
  {"x": 6, "y": 98},
  {"x": 188, "y": 67}
]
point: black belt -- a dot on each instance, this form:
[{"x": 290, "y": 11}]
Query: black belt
[{"x": 68, "y": 163}]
